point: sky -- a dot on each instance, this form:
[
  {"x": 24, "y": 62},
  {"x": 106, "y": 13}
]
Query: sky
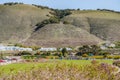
[{"x": 73, "y": 4}]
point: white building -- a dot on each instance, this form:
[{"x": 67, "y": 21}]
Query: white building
[
  {"x": 107, "y": 45},
  {"x": 14, "y": 48},
  {"x": 48, "y": 49},
  {"x": 68, "y": 49}
]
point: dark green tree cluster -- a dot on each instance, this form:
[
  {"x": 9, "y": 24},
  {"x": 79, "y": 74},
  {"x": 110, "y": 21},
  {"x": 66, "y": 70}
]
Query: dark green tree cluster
[
  {"x": 64, "y": 52},
  {"x": 61, "y": 13},
  {"x": 93, "y": 49},
  {"x": 42, "y": 7},
  {"x": 57, "y": 15},
  {"x": 23, "y": 53},
  {"x": 51, "y": 20},
  {"x": 12, "y": 3},
  {"x": 108, "y": 10},
  {"x": 117, "y": 44}
]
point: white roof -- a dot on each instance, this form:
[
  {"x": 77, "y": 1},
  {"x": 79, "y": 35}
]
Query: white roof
[
  {"x": 48, "y": 49},
  {"x": 12, "y": 48},
  {"x": 68, "y": 49}
]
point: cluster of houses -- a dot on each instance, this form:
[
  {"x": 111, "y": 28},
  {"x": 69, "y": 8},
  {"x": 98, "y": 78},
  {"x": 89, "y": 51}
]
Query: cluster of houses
[
  {"x": 107, "y": 45},
  {"x": 110, "y": 47},
  {"x": 14, "y": 48},
  {"x": 54, "y": 49}
]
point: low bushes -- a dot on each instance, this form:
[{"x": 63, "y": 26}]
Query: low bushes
[
  {"x": 23, "y": 53},
  {"x": 117, "y": 63},
  {"x": 107, "y": 57},
  {"x": 97, "y": 57},
  {"x": 29, "y": 57},
  {"x": 113, "y": 57},
  {"x": 52, "y": 57}
]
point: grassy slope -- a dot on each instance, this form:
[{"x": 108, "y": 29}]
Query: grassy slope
[
  {"x": 6, "y": 69},
  {"x": 62, "y": 35},
  {"x": 104, "y": 24},
  {"x": 17, "y": 21}
]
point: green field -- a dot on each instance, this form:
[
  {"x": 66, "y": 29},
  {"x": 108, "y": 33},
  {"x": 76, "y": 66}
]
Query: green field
[{"x": 13, "y": 68}]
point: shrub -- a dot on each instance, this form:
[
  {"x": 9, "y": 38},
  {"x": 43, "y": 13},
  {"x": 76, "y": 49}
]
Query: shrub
[
  {"x": 37, "y": 53},
  {"x": 113, "y": 57},
  {"x": 42, "y": 7},
  {"x": 47, "y": 21},
  {"x": 19, "y": 45},
  {"x": 97, "y": 57},
  {"x": 117, "y": 63},
  {"x": 117, "y": 44},
  {"x": 116, "y": 57},
  {"x": 24, "y": 53},
  {"x": 61, "y": 13},
  {"x": 52, "y": 57},
  {"x": 84, "y": 55},
  {"x": 109, "y": 57},
  {"x": 66, "y": 22},
  {"x": 29, "y": 57},
  {"x": 12, "y": 3},
  {"x": 54, "y": 20}
]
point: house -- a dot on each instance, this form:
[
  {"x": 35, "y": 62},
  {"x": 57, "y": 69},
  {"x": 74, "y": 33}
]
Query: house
[
  {"x": 68, "y": 49},
  {"x": 107, "y": 45},
  {"x": 48, "y": 49}
]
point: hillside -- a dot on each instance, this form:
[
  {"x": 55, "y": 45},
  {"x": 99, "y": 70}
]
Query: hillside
[
  {"x": 18, "y": 24},
  {"x": 103, "y": 24},
  {"x": 57, "y": 35},
  {"x": 18, "y": 21}
]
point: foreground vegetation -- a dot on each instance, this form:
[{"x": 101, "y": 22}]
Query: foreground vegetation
[{"x": 61, "y": 70}]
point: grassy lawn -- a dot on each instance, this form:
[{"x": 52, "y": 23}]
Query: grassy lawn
[
  {"x": 86, "y": 62},
  {"x": 16, "y": 67}
]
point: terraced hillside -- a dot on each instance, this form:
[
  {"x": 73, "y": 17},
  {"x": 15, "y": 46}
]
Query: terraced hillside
[{"x": 18, "y": 24}]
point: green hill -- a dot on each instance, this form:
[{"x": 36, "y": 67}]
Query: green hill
[{"x": 18, "y": 24}]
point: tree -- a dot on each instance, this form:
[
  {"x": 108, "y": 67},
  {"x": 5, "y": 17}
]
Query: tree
[
  {"x": 61, "y": 13},
  {"x": 93, "y": 49},
  {"x": 84, "y": 49},
  {"x": 64, "y": 52},
  {"x": 47, "y": 21},
  {"x": 54, "y": 20},
  {"x": 12, "y": 3},
  {"x": 24, "y": 53},
  {"x": 117, "y": 44},
  {"x": 78, "y": 9},
  {"x": 66, "y": 22}
]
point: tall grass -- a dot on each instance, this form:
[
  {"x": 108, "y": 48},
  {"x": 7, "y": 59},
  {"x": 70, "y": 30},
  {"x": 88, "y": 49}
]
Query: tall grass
[{"x": 66, "y": 71}]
